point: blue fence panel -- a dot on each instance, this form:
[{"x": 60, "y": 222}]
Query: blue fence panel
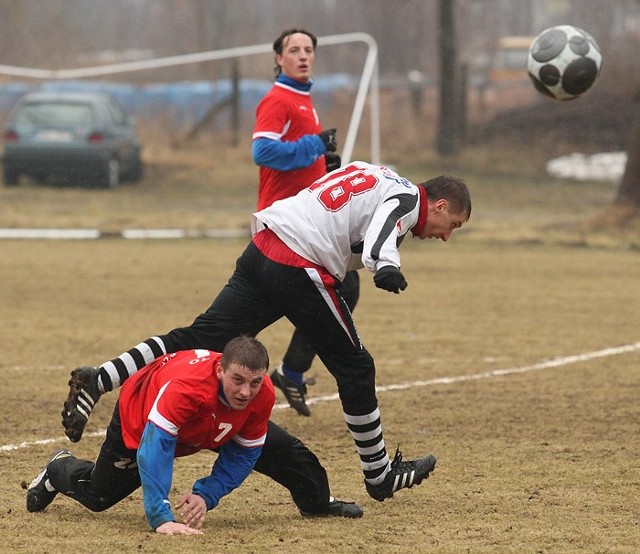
[{"x": 181, "y": 103}]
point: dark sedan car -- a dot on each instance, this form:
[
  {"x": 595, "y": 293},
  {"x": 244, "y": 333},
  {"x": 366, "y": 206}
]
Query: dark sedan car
[{"x": 82, "y": 137}]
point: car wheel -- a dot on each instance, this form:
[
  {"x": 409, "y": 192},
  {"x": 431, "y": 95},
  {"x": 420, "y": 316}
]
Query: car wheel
[
  {"x": 11, "y": 176},
  {"x": 110, "y": 176}
]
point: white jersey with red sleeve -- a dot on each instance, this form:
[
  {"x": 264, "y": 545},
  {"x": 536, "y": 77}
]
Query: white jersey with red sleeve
[
  {"x": 180, "y": 393},
  {"x": 353, "y": 217}
]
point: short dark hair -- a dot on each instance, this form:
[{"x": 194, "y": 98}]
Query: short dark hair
[
  {"x": 247, "y": 352},
  {"x": 278, "y": 44},
  {"x": 453, "y": 190}
]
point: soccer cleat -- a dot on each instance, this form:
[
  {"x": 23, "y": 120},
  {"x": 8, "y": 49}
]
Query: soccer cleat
[
  {"x": 339, "y": 508},
  {"x": 344, "y": 509},
  {"x": 402, "y": 475},
  {"x": 293, "y": 392},
  {"x": 40, "y": 493},
  {"x": 83, "y": 396}
]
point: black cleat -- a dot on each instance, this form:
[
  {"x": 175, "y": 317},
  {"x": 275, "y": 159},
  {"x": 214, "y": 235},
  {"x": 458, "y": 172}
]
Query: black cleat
[
  {"x": 339, "y": 508},
  {"x": 40, "y": 493},
  {"x": 294, "y": 393},
  {"x": 402, "y": 475},
  {"x": 83, "y": 396}
]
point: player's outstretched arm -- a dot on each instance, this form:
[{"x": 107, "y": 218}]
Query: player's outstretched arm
[{"x": 175, "y": 528}]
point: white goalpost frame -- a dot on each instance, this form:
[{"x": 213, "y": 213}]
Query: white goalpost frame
[{"x": 369, "y": 82}]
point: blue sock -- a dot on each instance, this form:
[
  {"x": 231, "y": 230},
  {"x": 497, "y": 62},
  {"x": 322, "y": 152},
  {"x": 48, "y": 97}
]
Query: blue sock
[{"x": 295, "y": 376}]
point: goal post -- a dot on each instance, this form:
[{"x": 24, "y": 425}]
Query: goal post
[{"x": 367, "y": 87}]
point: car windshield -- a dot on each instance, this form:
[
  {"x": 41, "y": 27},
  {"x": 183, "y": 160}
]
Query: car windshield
[{"x": 55, "y": 115}]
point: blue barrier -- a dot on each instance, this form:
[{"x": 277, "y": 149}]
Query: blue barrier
[{"x": 182, "y": 102}]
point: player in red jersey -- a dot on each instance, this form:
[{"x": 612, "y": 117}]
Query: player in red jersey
[
  {"x": 289, "y": 145},
  {"x": 292, "y": 153},
  {"x": 356, "y": 216},
  {"x": 179, "y": 404}
]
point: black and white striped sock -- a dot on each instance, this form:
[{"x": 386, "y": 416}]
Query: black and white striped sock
[
  {"x": 113, "y": 373},
  {"x": 366, "y": 431}
]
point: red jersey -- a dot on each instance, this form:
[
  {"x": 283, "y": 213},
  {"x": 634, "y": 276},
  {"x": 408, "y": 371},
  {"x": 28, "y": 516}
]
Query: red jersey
[
  {"x": 286, "y": 114},
  {"x": 181, "y": 394}
]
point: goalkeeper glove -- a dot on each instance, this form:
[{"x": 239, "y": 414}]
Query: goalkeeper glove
[
  {"x": 328, "y": 138},
  {"x": 390, "y": 278},
  {"x": 332, "y": 161}
]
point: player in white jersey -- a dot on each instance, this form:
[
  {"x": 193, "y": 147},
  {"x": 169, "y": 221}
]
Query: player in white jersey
[
  {"x": 302, "y": 247},
  {"x": 324, "y": 226}
]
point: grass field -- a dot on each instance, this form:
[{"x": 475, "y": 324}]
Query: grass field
[{"x": 513, "y": 356}]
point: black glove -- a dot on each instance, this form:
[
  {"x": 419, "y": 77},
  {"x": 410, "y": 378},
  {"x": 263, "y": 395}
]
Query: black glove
[
  {"x": 390, "y": 278},
  {"x": 329, "y": 138},
  {"x": 332, "y": 161}
]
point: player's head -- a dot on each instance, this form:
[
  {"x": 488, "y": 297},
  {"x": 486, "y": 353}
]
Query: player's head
[
  {"x": 295, "y": 54},
  {"x": 243, "y": 365},
  {"x": 449, "y": 207}
]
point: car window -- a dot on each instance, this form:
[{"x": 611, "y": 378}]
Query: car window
[
  {"x": 117, "y": 114},
  {"x": 55, "y": 114}
]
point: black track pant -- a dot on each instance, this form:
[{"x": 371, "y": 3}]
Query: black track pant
[
  {"x": 114, "y": 475},
  {"x": 300, "y": 353},
  {"x": 261, "y": 292}
]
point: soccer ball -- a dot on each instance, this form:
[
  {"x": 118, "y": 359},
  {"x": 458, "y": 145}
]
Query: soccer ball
[{"x": 564, "y": 62}]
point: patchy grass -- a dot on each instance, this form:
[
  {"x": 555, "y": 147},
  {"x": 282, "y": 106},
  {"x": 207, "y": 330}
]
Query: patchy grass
[{"x": 538, "y": 461}]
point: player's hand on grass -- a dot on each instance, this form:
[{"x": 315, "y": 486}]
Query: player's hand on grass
[
  {"x": 192, "y": 509},
  {"x": 175, "y": 528},
  {"x": 390, "y": 278}
]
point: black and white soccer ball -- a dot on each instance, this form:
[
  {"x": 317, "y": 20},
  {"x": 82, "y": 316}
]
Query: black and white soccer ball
[{"x": 564, "y": 62}]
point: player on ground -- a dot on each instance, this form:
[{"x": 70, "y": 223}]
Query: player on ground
[
  {"x": 178, "y": 405},
  {"x": 293, "y": 151}
]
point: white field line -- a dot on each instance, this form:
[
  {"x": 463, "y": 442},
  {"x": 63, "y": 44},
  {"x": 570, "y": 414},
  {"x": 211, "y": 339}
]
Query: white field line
[
  {"x": 134, "y": 234},
  {"x": 555, "y": 362}
]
